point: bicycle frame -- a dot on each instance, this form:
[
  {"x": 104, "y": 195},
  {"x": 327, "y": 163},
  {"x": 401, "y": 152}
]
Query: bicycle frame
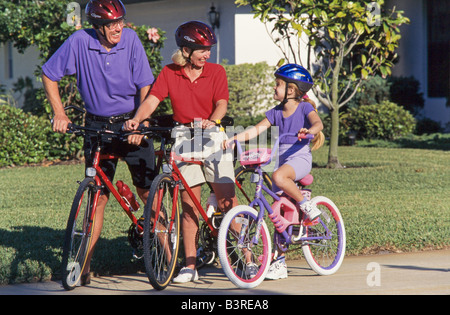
[
  {"x": 100, "y": 177},
  {"x": 176, "y": 173},
  {"x": 261, "y": 201},
  {"x": 95, "y": 172},
  {"x": 264, "y": 205}
]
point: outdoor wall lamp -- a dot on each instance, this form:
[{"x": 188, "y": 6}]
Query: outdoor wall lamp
[{"x": 214, "y": 17}]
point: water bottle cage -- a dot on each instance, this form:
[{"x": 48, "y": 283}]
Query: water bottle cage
[{"x": 129, "y": 205}]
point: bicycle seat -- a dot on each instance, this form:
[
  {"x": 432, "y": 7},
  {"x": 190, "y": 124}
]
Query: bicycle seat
[
  {"x": 255, "y": 156},
  {"x": 307, "y": 180}
]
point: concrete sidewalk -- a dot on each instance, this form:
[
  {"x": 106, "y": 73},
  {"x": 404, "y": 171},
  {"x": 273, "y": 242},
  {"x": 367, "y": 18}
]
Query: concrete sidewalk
[{"x": 420, "y": 273}]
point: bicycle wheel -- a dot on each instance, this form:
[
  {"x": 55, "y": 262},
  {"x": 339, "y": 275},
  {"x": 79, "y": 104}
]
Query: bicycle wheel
[
  {"x": 78, "y": 235},
  {"x": 244, "y": 252},
  {"x": 161, "y": 231},
  {"x": 245, "y": 188},
  {"x": 325, "y": 253}
]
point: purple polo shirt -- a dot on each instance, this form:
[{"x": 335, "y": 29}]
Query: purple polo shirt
[{"x": 108, "y": 82}]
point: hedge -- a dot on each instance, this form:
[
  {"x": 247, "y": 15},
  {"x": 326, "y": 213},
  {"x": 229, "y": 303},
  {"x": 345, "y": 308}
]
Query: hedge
[{"x": 29, "y": 139}]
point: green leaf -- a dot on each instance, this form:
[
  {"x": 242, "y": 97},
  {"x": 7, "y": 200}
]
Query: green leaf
[
  {"x": 364, "y": 73},
  {"x": 363, "y": 59},
  {"x": 281, "y": 62},
  {"x": 359, "y": 27}
]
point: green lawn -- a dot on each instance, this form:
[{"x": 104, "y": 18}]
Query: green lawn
[{"x": 390, "y": 198}]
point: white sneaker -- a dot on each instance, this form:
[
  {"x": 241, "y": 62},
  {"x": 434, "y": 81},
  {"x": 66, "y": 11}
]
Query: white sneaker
[
  {"x": 277, "y": 270},
  {"x": 311, "y": 210},
  {"x": 186, "y": 275},
  {"x": 251, "y": 270}
]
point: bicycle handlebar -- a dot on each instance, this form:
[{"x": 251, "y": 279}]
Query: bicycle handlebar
[
  {"x": 300, "y": 136},
  {"x": 150, "y": 131},
  {"x": 305, "y": 136},
  {"x": 142, "y": 130}
]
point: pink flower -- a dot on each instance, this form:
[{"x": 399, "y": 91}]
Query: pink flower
[{"x": 153, "y": 34}]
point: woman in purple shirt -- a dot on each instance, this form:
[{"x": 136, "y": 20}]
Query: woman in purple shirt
[
  {"x": 295, "y": 114},
  {"x": 113, "y": 77}
]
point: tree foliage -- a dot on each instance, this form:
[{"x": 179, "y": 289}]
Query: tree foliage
[{"x": 345, "y": 43}]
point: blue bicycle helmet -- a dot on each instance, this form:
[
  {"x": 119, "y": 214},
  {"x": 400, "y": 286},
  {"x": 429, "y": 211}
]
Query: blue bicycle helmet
[{"x": 296, "y": 74}]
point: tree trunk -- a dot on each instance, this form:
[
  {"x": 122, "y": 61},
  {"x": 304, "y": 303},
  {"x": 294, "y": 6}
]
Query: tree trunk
[{"x": 333, "y": 161}]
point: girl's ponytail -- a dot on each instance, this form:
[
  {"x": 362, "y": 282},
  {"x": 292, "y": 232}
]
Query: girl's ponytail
[{"x": 319, "y": 139}]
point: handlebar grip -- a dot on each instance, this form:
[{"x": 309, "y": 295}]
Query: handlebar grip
[
  {"x": 70, "y": 127},
  {"x": 305, "y": 136},
  {"x": 227, "y": 121}
]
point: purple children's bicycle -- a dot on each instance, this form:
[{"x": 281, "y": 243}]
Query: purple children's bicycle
[{"x": 244, "y": 242}]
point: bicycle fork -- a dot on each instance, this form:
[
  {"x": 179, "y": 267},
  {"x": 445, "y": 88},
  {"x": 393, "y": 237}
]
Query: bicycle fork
[{"x": 244, "y": 226}]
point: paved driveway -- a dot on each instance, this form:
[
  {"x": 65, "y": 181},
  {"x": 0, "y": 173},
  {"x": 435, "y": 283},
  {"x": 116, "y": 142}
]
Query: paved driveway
[{"x": 420, "y": 273}]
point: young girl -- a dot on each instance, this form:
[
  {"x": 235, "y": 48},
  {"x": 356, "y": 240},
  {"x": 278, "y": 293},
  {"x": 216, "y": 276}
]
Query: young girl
[{"x": 296, "y": 113}]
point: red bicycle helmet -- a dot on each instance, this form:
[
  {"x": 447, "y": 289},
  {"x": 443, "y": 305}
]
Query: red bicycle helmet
[
  {"x": 195, "y": 35},
  {"x": 101, "y": 12}
]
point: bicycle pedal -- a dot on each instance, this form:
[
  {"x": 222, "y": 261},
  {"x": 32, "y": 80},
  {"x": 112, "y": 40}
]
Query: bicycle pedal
[{"x": 137, "y": 257}]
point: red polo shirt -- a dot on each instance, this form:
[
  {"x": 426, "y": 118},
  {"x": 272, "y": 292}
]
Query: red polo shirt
[{"x": 191, "y": 100}]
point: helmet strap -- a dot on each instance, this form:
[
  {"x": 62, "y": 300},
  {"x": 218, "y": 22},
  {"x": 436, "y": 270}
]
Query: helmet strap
[
  {"x": 285, "y": 100},
  {"x": 102, "y": 36},
  {"x": 188, "y": 58},
  {"x": 97, "y": 27},
  {"x": 190, "y": 55}
]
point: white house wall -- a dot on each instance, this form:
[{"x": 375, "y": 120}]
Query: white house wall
[
  {"x": 23, "y": 65},
  {"x": 414, "y": 57},
  {"x": 167, "y": 15}
]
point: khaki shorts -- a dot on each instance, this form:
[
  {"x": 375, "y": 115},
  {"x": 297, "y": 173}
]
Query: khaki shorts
[{"x": 207, "y": 148}]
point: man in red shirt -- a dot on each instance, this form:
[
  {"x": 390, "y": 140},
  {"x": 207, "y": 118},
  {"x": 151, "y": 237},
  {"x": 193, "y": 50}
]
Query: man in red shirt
[{"x": 198, "y": 91}]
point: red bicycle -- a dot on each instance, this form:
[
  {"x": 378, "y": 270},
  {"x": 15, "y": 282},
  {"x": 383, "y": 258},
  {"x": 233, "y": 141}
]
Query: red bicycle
[
  {"x": 80, "y": 225},
  {"x": 161, "y": 218}
]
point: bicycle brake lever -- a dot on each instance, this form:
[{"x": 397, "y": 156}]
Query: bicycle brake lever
[{"x": 70, "y": 128}]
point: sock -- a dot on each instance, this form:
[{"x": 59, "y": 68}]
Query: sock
[
  {"x": 281, "y": 258},
  {"x": 302, "y": 202}
]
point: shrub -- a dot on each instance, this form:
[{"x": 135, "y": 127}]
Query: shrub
[
  {"x": 28, "y": 139},
  {"x": 373, "y": 90},
  {"x": 250, "y": 88},
  {"x": 22, "y": 137},
  {"x": 405, "y": 92},
  {"x": 427, "y": 126},
  {"x": 386, "y": 121}
]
